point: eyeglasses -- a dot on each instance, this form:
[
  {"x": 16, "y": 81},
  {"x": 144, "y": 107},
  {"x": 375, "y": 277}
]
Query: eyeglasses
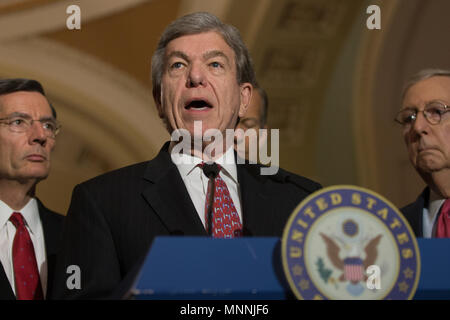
[
  {"x": 20, "y": 124},
  {"x": 433, "y": 112}
]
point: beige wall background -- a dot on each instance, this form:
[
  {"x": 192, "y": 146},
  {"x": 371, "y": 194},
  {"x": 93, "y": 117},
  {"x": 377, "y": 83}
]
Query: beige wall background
[{"x": 333, "y": 85}]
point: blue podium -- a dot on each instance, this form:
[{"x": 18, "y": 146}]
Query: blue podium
[
  {"x": 251, "y": 268},
  {"x": 434, "y": 280}
]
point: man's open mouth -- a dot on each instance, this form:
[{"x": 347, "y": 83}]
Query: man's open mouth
[{"x": 198, "y": 105}]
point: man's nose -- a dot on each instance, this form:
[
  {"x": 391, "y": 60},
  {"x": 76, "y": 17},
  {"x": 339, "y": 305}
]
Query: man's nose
[
  {"x": 420, "y": 125},
  {"x": 196, "y": 76},
  {"x": 37, "y": 133}
]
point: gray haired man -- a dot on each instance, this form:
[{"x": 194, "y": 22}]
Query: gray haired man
[
  {"x": 425, "y": 120},
  {"x": 201, "y": 73}
]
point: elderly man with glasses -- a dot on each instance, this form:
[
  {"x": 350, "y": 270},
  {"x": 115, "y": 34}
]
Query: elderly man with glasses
[
  {"x": 426, "y": 131},
  {"x": 29, "y": 232}
]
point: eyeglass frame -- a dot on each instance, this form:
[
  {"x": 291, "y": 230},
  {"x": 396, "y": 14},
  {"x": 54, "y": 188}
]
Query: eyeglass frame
[
  {"x": 29, "y": 120},
  {"x": 446, "y": 109}
]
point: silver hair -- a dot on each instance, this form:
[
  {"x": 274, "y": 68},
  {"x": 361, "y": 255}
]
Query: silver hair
[
  {"x": 195, "y": 23},
  {"x": 423, "y": 75}
]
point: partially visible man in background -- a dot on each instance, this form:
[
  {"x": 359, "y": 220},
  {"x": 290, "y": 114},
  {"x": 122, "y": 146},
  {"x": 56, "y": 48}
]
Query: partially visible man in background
[
  {"x": 29, "y": 232},
  {"x": 425, "y": 119},
  {"x": 255, "y": 119}
]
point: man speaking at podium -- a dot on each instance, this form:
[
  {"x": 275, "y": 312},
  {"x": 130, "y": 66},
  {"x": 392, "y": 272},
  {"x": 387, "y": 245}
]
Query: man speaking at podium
[
  {"x": 425, "y": 118},
  {"x": 202, "y": 76}
]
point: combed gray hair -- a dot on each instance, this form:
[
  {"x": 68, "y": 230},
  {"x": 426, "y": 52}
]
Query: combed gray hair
[
  {"x": 423, "y": 75},
  {"x": 195, "y": 23}
]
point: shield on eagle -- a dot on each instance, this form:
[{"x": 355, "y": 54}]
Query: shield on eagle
[{"x": 353, "y": 269}]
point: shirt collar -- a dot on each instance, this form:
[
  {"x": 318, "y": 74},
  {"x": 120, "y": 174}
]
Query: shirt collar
[
  {"x": 184, "y": 162},
  {"x": 187, "y": 163},
  {"x": 228, "y": 164},
  {"x": 30, "y": 213}
]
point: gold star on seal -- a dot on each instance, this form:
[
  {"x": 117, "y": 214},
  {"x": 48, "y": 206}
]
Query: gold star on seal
[
  {"x": 408, "y": 273},
  {"x": 403, "y": 286},
  {"x": 297, "y": 270},
  {"x": 304, "y": 284}
]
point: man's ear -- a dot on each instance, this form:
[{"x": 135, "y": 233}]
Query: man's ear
[{"x": 246, "y": 96}]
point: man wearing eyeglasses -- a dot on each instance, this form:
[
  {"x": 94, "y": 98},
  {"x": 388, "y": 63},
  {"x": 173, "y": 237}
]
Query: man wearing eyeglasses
[
  {"x": 29, "y": 232},
  {"x": 425, "y": 118}
]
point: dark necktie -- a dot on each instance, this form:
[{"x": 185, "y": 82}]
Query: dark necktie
[
  {"x": 443, "y": 223},
  {"x": 225, "y": 219},
  {"x": 26, "y": 273}
]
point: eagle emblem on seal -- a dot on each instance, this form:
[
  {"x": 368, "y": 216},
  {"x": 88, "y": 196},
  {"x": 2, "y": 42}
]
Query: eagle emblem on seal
[{"x": 352, "y": 257}]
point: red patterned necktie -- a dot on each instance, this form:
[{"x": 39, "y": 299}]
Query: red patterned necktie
[
  {"x": 443, "y": 224},
  {"x": 26, "y": 273},
  {"x": 226, "y": 221}
]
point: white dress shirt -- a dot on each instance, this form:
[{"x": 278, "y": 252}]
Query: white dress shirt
[
  {"x": 197, "y": 182},
  {"x": 430, "y": 214},
  {"x": 33, "y": 223}
]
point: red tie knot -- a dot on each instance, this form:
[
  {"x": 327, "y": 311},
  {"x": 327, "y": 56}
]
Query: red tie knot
[
  {"x": 210, "y": 169},
  {"x": 17, "y": 220},
  {"x": 202, "y": 164}
]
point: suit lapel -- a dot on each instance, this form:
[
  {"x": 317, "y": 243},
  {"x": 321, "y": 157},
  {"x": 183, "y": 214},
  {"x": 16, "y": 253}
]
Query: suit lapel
[
  {"x": 256, "y": 209},
  {"x": 6, "y": 292},
  {"x": 166, "y": 193},
  {"x": 52, "y": 224},
  {"x": 52, "y": 229},
  {"x": 414, "y": 212},
  {"x": 416, "y": 216}
]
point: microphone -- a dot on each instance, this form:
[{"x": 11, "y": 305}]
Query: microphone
[
  {"x": 211, "y": 171},
  {"x": 286, "y": 178}
]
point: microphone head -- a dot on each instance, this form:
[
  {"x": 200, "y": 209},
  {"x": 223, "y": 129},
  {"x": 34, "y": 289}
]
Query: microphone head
[{"x": 211, "y": 170}]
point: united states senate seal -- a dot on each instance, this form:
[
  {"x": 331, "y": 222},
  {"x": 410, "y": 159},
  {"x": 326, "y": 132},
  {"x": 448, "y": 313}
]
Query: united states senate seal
[{"x": 347, "y": 242}]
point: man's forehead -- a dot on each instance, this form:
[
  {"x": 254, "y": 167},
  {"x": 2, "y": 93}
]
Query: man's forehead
[
  {"x": 203, "y": 43},
  {"x": 434, "y": 88},
  {"x": 24, "y": 102}
]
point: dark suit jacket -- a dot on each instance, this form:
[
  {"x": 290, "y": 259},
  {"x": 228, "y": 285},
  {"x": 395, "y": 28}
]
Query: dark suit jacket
[
  {"x": 52, "y": 224},
  {"x": 113, "y": 218},
  {"x": 413, "y": 212}
]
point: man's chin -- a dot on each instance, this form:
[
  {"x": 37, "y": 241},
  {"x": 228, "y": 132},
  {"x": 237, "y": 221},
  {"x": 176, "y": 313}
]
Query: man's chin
[
  {"x": 32, "y": 175},
  {"x": 429, "y": 166}
]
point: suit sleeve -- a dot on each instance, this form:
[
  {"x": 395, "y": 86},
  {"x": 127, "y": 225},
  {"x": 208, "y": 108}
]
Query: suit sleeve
[{"x": 87, "y": 265}]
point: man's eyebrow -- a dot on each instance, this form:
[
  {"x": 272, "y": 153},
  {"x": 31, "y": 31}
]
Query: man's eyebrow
[
  {"x": 27, "y": 116},
  {"x": 215, "y": 53},
  {"x": 48, "y": 118},
  {"x": 206, "y": 56},
  {"x": 436, "y": 100},
  {"x": 178, "y": 54},
  {"x": 412, "y": 107},
  {"x": 18, "y": 114},
  {"x": 409, "y": 108}
]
